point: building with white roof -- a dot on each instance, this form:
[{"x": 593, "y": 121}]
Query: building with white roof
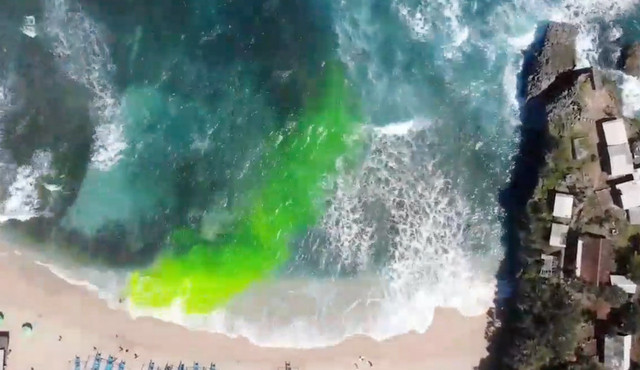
[
  {"x": 617, "y": 352},
  {"x": 558, "y": 237},
  {"x": 634, "y": 215},
  {"x": 623, "y": 283},
  {"x": 614, "y": 132},
  {"x": 629, "y": 194},
  {"x": 620, "y": 161},
  {"x": 563, "y": 206}
]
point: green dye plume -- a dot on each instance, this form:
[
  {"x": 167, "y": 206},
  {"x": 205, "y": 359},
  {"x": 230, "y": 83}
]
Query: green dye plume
[{"x": 206, "y": 274}]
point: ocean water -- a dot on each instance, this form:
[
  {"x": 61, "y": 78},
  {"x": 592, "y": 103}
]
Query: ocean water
[{"x": 291, "y": 171}]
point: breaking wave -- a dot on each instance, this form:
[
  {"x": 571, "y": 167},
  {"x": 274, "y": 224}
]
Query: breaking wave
[
  {"x": 22, "y": 201},
  {"x": 80, "y": 49}
]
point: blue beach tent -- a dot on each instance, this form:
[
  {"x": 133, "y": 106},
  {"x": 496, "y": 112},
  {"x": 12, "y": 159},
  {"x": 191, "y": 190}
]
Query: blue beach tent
[
  {"x": 110, "y": 363},
  {"x": 196, "y": 366},
  {"x": 151, "y": 365},
  {"x": 77, "y": 365},
  {"x": 96, "y": 362},
  {"x": 121, "y": 365}
]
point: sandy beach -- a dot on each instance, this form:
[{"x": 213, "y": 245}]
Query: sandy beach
[{"x": 69, "y": 320}]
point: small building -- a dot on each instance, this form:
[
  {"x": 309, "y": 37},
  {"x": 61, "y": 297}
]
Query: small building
[
  {"x": 620, "y": 161},
  {"x": 563, "y": 206},
  {"x": 629, "y": 193},
  {"x": 623, "y": 283},
  {"x": 580, "y": 148},
  {"x": 590, "y": 259},
  {"x": 615, "y": 132},
  {"x": 617, "y": 352},
  {"x": 634, "y": 215},
  {"x": 549, "y": 265},
  {"x": 558, "y": 237}
]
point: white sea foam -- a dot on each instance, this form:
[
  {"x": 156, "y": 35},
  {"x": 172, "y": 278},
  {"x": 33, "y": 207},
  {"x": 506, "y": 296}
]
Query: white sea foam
[
  {"x": 80, "y": 49},
  {"x": 630, "y": 96},
  {"x": 427, "y": 19},
  {"x": 629, "y": 90},
  {"x": 106, "y": 284},
  {"x": 23, "y": 199},
  {"x": 424, "y": 223}
]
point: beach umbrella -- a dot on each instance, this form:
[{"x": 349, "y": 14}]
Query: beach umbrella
[
  {"x": 27, "y": 328},
  {"x": 1, "y": 317}
]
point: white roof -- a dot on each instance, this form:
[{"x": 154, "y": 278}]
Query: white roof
[
  {"x": 629, "y": 194},
  {"x": 634, "y": 216},
  {"x": 558, "y": 236},
  {"x": 624, "y": 283},
  {"x": 563, "y": 205},
  {"x": 615, "y": 132},
  {"x": 579, "y": 257},
  {"x": 620, "y": 160},
  {"x": 617, "y": 352}
]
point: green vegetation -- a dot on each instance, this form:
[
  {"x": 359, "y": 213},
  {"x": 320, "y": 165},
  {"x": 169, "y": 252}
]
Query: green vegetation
[
  {"x": 626, "y": 318},
  {"x": 543, "y": 327}
]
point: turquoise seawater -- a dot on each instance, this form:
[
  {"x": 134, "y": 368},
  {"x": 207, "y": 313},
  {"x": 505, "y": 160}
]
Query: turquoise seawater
[{"x": 134, "y": 134}]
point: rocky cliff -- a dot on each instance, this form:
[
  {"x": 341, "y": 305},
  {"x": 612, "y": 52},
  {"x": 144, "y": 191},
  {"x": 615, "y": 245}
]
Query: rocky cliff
[{"x": 556, "y": 55}]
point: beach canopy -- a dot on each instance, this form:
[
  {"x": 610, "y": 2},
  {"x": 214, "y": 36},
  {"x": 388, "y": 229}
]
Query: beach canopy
[{"x": 27, "y": 328}]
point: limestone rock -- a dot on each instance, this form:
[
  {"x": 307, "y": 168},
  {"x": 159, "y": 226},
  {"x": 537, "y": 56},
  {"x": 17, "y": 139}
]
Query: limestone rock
[
  {"x": 632, "y": 60},
  {"x": 557, "y": 55}
]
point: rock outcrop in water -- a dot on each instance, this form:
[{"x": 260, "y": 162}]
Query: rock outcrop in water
[
  {"x": 556, "y": 56},
  {"x": 632, "y": 60}
]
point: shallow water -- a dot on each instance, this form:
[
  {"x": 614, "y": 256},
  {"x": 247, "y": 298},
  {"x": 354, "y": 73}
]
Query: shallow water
[{"x": 124, "y": 121}]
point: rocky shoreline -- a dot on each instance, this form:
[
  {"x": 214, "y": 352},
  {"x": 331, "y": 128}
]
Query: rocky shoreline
[{"x": 571, "y": 230}]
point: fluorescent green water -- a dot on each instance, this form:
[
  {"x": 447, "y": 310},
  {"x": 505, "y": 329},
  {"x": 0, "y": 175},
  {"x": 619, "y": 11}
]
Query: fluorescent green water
[{"x": 206, "y": 274}]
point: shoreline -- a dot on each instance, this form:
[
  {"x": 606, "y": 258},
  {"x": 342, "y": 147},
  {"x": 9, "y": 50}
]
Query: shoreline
[{"x": 55, "y": 308}]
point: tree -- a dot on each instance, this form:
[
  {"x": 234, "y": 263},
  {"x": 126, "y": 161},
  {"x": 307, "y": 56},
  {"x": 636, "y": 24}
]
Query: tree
[
  {"x": 613, "y": 295},
  {"x": 543, "y": 325},
  {"x": 634, "y": 268},
  {"x": 586, "y": 364},
  {"x": 626, "y": 318}
]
